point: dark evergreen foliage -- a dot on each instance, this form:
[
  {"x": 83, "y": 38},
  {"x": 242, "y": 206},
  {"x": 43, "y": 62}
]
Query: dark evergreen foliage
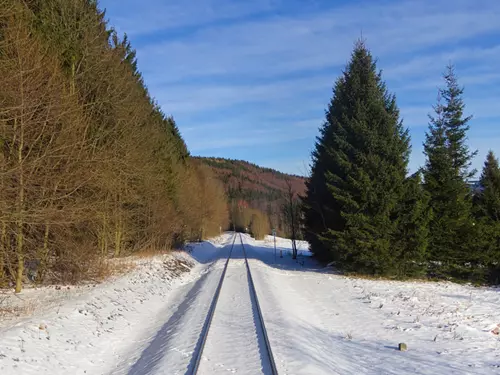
[
  {"x": 358, "y": 173},
  {"x": 487, "y": 200},
  {"x": 487, "y": 223},
  {"x": 412, "y": 236},
  {"x": 445, "y": 174}
]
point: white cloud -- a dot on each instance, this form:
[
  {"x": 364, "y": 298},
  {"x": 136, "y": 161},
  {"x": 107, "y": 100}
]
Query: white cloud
[
  {"x": 222, "y": 74},
  {"x": 480, "y": 109},
  {"x": 286, "y": 44},
  {"x": 304, "y": 43},
  {"x": 253, "y": 138},
  {"x": 179, "y": 98},
  {"x": 138, "y": 17}
]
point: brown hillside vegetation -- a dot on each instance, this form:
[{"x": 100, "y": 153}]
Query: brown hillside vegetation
[
  {"x": 254, "y": 190},
  {"x": 252, "y": 177},
  {"x": 90, "y": 166}
]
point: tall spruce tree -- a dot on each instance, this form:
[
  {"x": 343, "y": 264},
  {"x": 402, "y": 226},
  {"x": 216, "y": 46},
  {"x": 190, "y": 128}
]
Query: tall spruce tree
[
  {"x": 487, "y": 200},
  {"x": 412, "y": 236},
  {"x": 445, "y": 174},
  {"x": 487, "y": 214},
  {"x": 358, "y": 172}
]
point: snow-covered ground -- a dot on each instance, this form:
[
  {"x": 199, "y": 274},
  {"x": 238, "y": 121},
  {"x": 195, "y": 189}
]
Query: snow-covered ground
[
  {"x": 235, "y": 340},
  {"x": 115, "y": 327},
  {"x": 322, "y": 323},
  {"x": 318, "y": 322}
]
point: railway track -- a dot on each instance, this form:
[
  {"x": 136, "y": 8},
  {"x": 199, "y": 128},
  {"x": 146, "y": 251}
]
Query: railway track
[{"x": 236, "y": 322}]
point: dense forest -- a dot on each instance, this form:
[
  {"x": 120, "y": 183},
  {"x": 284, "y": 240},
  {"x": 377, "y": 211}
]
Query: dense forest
[
  {"x": 259, "y": 198},
  {"x": 367, "y": 214},
  {"x": 90, "y": 166}
]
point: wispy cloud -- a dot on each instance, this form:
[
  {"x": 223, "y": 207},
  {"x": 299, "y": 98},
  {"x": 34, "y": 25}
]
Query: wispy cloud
[
  {"x": 189, "y": 97},
  {"x": 137, "y": 17},
  {"x": 284, "y": 44},
  {"x": 202, "y": 139},
  {"x": 269, "y": 65}
]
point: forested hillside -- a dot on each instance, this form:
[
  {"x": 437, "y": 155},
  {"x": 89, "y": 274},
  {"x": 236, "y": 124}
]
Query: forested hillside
[
  {"x": 264, "y": 190},
  {"x": 90, "y": 166}
]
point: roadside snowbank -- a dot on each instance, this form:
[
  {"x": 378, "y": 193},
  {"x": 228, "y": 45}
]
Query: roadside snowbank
[
  {"x": 285, "y": 244},
  {"x": 149, "y": 321},
  {"x": 90, "y": 329},
  {"x": 322, "y": 323}
]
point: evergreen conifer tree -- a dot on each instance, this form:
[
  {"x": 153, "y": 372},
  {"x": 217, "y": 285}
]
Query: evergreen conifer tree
[
  {"x": 487, "y": 223},
  {"x": 412, "y": 236},
  {"x": 445, "y": 174},
  {"x": 358, "y": 172},
  {"x": 487, "y": 200}
]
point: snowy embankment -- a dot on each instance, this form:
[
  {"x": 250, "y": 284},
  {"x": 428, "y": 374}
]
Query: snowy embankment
[
  {"x": 92, "y": 329},
  {"x": 322, "y": 323},
  {"x": 149, "y": 321}
]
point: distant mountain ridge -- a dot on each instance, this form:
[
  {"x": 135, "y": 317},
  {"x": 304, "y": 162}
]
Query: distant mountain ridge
[{"x": 251, "y": 182}]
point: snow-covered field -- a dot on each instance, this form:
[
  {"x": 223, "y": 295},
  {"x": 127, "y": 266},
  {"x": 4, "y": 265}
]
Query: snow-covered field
[
  {"x": 107, "y": 328},
  {"x": 322, "y": 323},
  {"x": 149, "y": 321}
]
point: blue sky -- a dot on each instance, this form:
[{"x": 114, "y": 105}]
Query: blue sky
[{"x": 251, "y": 79}]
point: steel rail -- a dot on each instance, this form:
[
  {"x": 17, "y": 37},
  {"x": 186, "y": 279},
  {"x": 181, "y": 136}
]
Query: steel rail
[
  {"x": 259, "y": 311},
  {"x": 211, "y": 311}
]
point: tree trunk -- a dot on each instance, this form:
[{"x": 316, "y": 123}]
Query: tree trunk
[
  {"x": 118, "y": 235},
  {"x": 3, "y": 252},
  {"x": 291, "y": 211},
  {"x": 102, "y": 239},
  {"x": 44, "y": 256},
  {"x": 20, "y": 212},
  {"x": 73, "y": 75}
]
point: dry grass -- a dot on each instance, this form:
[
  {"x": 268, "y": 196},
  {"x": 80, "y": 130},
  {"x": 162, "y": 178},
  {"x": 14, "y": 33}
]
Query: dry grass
[
  {"x": 150, "y": 252},
  {"x": 100, "y": 272},
  {"x": 348, "y": 336},
  {"x": 113, "y": 268},
  {"x": 353, "y": 275},
  {"x": 11, "y": 310}
]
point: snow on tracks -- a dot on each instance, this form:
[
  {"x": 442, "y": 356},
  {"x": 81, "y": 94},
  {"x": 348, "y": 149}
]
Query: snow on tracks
[{"x": 236, "y": 340}]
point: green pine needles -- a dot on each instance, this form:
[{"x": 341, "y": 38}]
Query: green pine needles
[
  {"x": 358, "y": 183},
  {"x": 363, "y": 211}
]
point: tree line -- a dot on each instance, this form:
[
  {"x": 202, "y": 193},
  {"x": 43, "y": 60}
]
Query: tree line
[
  {"x": 260, "y": 199},
  {"x": 363, "y": 210},
  {"x": 283, "y": 217},
  {"x": 90, "y": 166}
]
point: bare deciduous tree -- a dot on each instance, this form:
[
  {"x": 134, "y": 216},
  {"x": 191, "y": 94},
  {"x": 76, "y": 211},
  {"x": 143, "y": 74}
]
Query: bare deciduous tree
[{"x": 291, "y": 213}]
